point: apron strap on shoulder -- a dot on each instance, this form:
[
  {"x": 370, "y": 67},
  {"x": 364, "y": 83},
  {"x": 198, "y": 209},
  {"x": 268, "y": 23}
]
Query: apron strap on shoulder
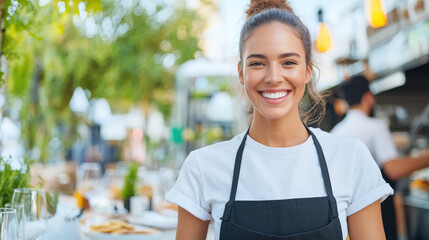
[{"x": 325, "y": 175}]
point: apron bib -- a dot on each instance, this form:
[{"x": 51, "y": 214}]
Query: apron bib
[{"x": 288, "y": 219}]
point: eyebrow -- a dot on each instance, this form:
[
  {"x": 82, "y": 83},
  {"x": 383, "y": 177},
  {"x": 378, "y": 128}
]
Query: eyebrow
[{"x": 283, "y": 55}]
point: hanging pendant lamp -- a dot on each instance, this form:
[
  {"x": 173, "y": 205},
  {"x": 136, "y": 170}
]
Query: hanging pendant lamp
[
  {"x": 375, "y": 13},
  {"x": 323, "y": 38}
]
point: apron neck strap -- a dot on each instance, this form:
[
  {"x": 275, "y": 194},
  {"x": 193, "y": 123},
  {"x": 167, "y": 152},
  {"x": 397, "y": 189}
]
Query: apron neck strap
[
  {"x": 237, "y": 166},
  {"x": 322, "y": 162},
  {"x": 325, "y": 175}
]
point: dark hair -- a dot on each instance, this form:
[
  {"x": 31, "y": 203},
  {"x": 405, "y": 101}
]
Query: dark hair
[
  {"x": 261, "y": 12},
  {"x": 353, "y": 89}
]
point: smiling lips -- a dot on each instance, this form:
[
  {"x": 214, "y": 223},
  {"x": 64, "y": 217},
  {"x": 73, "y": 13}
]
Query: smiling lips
[{"x": 274, "y": 97}]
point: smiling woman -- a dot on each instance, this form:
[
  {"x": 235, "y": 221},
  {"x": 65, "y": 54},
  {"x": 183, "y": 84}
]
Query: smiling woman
[
  {"x": 274, "y": 72},
  {"x": 280, "y": 179},
  {"x": 312, "y": 107}
]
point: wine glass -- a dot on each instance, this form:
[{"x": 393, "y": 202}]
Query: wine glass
[
  {"x": 88, "y": 179},
  {"x": 167, "y": 178},
  {"x": 35, "y": 211},
  {"x": 8, "y": 224},
  {"x": 19, "y": 208}
]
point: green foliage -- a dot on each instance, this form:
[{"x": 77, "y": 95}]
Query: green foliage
[
  {"x": 11, "y": 178},
  {"x": 132, "y": 65},
  {"x": 52, "y": 202},
  {"x": 17, "y": 17},
  {"x": 130, "y": 56},
  {"x": 130, "y": 181},
  {"x": 1, "y": 79}
]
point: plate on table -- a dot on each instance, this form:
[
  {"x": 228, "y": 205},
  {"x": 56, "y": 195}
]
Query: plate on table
[
  {"x": 103, "y": 229},
  {"x": 154, "y": 219},
  {"x": 167, "y": 209}
]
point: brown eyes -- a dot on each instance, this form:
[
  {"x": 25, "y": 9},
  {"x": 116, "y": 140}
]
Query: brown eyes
[
  {"x": 289, "y": 63},
  {"x": 258, "y": 64}
]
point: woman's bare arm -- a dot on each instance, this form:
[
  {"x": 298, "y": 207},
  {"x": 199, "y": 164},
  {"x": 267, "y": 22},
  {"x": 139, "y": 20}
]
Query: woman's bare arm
[
  {"x": 367, "y": 223},
  {"x": 190, "y": 227}
]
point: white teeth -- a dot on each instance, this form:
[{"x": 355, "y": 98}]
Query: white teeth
[{"x": 274, "y": 95}]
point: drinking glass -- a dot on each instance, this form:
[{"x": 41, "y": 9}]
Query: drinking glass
[
  {"x": 19, "y": 208},
  {"x": 35, "y": 211},
  {"x": 167, "y": 178},
  {"x": 114, "y": 182},
  {"x": 88, "y": 179},
  {"x": 8, "y": 224}
]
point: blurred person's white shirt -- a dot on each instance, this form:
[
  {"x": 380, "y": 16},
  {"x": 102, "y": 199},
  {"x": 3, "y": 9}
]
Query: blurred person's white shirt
[{"x": 373, "y": 132}]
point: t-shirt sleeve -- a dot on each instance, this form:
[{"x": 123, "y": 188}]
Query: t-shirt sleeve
[
  {"x": 188, "y": 191},
  {"x": 384, "y": 148},
  {"x": 369, "y": 185}
]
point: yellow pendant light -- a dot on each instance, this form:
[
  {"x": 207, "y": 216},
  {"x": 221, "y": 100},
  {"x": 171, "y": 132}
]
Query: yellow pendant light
[
  {"x": 375, "y": 13},
  {"x": 323, "y": 38}
]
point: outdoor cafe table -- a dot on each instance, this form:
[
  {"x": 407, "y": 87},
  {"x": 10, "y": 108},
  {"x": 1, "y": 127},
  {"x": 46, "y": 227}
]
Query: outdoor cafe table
[{"x": 59, "y": 228}]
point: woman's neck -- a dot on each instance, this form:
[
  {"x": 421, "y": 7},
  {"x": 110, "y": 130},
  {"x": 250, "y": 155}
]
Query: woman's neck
[{"x": 286, "y": 132}]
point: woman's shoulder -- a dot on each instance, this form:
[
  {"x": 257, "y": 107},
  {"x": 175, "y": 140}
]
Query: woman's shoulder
[
  {"x": 344, "y": 150},
  {"x": 216, "y": 150},
  {"x": 332, "y": 140}
]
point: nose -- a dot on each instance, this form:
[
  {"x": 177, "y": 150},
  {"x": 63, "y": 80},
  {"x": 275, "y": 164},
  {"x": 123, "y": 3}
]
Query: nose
[{"x": 274, "y": 74}]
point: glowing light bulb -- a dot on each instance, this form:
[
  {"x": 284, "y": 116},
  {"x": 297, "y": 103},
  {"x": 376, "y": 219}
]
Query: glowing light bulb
[
  {"x": 375, "y": 13},
  {"x": 323, "y": 38}
]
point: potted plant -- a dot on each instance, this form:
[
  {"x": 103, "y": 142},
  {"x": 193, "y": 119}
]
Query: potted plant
[
  {"x": 12, "y": 178},
  {"x": 130, "y": 180}
]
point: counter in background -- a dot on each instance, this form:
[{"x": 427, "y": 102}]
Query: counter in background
[{"x": 417, "y": 216}]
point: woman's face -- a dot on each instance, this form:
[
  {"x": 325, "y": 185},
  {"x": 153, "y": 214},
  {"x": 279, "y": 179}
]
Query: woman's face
[{"x": 273, "y": 71}]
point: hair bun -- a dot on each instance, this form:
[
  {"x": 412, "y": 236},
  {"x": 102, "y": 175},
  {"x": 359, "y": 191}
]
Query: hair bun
[{"x": 257, "y": 6}]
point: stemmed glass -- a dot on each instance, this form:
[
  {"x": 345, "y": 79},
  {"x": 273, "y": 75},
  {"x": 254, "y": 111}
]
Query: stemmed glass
[
  {"x": 19, "y": 208},
  {"x": 167, "y": 178},
  {"x": 8, "y": 224},
  {"x": 88, "y": 179},
  {"x": 35, "y": 211}
]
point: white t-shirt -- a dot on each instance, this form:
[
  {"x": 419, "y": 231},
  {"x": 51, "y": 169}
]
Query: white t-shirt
[
  {"x": 204, "y": 184},
  {"x": 371, "y": 131}
]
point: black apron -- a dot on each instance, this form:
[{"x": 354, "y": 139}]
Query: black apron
[{"x": 289, "y": 219}]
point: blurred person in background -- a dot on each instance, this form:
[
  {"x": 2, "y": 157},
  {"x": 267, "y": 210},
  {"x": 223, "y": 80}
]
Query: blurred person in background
[
  {"x": 279, "y": 179},
  {"x": 134, "y": 147},
  {"x": 376, "y": 135}
]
